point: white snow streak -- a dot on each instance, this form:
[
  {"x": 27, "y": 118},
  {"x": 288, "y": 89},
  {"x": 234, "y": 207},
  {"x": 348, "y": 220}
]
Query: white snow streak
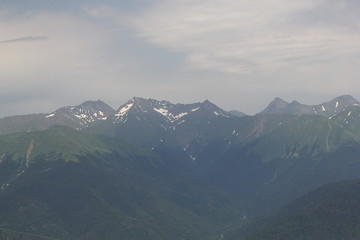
[
  {"x": 171, "y": 117},
  {"x": 162, "y": 111},
  {"x": 124, "y": 110}
]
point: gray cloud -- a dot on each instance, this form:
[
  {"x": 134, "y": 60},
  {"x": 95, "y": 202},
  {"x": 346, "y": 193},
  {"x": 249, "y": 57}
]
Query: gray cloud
[
  {"x": 249, "y": 36},
  {"x": 26, "y": 39},
  {"x": 239, "y": 54}
]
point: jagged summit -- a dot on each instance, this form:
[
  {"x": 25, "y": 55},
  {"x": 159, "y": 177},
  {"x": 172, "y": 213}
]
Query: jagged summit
[
  {"x": 279, "y": 100},
  {"x": 341, "y": 102},
  {"x": 208, "y": 104},
  {"x": 83, "y": 114},
  {"x": 279, "y": 106},
  {"x": 347, "y": 99},
  {"x": 214, "y": 109},
  {"x": 164, "y": 109}
]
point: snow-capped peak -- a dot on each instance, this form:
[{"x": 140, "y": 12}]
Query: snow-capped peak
[
  {"x": 166, "y": 110},
  {"x": 83, "y": 114}
]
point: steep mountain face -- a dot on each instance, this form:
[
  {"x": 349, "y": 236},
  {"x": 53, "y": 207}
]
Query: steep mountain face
[
  {"x": 73, "y": 185},
  {"x": 329, "y": 212},
  {"x": 165, "y": 110},
  {"x": 77, "y": 117},
  {"x": 279, "y": 157},
  {"x": 249, "y": 155},
  {"x": 279, "y": 106},
  {"x": 149, "y": 122},
  {"x": 153, "y": 123}
]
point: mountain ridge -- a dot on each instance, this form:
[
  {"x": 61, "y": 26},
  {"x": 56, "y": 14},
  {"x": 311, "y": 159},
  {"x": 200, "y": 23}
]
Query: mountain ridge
[
  {"x": 279, "y": 106},
  {"x": 82, "y": 115}
]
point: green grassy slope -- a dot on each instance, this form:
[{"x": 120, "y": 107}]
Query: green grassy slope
[{"x": 75, "y": 185}]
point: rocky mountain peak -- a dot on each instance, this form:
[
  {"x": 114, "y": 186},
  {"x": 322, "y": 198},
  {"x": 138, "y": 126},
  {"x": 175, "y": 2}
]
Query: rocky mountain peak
[
  {"x": 212, "y": 108},
  {"x": 343, "y": 101},
  {"x": 164, "y": 109},
  {"x": 277, "y": 106},
  {"x": 81, "y": 115}
]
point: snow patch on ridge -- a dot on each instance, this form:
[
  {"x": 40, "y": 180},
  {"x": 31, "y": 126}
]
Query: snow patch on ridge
[
  {"x": 123, "y": 111},
  {"x": 162, "y": 111},
  {"x": 170, "y": 116},
  {"x": 314, "y": 109},
  {"x": 220, "y": 114},
  {"x": 180, "y": 115}
]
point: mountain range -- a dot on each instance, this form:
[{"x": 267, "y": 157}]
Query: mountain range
[
  {"x": 156, "y": 170},
  {"x": 279, "y": 106}
]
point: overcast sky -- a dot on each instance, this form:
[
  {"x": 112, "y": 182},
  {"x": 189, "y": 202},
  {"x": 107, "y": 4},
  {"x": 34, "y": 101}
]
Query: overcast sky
[{"x": 239, "y": 54}]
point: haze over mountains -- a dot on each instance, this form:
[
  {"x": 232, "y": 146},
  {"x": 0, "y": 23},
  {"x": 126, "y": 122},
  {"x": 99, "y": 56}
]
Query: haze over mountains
[
  {"x": 279, "y": 106},
  {"x": 157, "y": 170},
  {"x": 81, "y": 116}
]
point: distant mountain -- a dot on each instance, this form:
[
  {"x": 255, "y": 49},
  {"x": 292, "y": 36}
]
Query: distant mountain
[
  {"x": 330, "y": 212},
  {"x": 77, "y": 117},
  {"x": 279, "y": 106},
  {"x": 168, "y": 112},
  {"x": 237, "y": 113},
  {"x": 151, "y": 123}
]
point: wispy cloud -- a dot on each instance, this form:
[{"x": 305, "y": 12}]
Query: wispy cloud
[
  {"x": 73, "y": 50},
  {"x": 26, "y": 39},
  {"x": 248, "y": 36}
]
